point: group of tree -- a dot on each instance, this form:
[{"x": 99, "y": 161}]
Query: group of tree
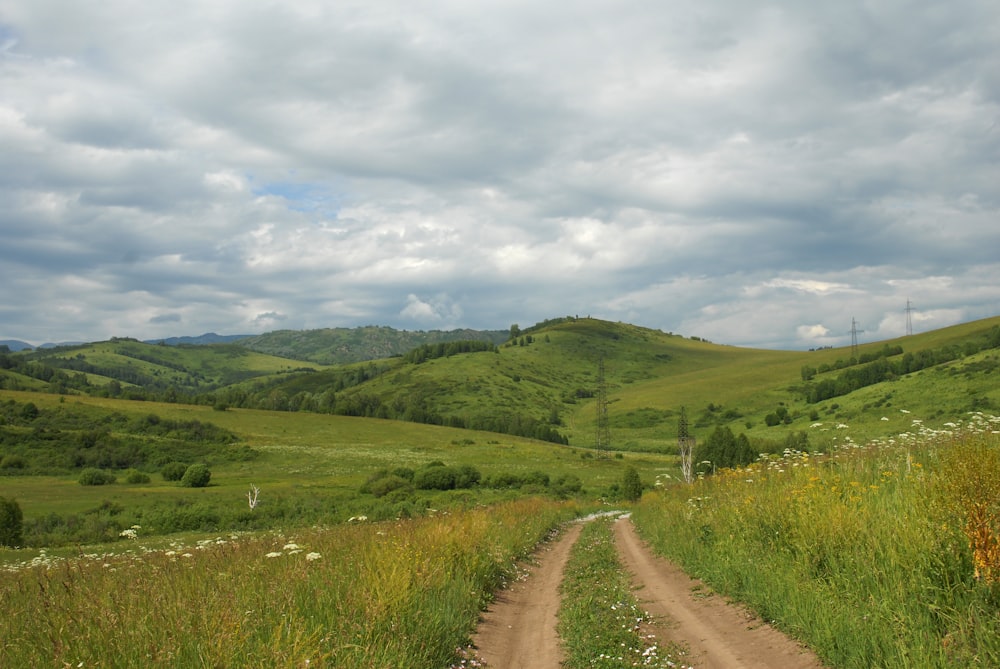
[
  {"x": 888, "y": 364},
  {"x": 447, "y": 349},
  {"x": 723, "y": 449},
  {"x": 67, "y": 438}
]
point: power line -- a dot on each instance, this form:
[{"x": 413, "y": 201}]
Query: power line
[
  {"x": 909, "y": 320},
  {"x": 854, "y": 338},
  {"x": 603, "y": 423}
]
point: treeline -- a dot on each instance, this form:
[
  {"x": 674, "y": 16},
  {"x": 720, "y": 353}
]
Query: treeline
[
  {"x": 57, "y": 441},
  {"x": 417, "y": 409},
  {"x": 447, "y": 349},
  {"x": 884, "y": 369}
]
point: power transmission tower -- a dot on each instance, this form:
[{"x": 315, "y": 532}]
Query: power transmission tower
[
  {"x": 909, "y": 321},
  {"x": 854, "y": 338},
  {"x": 685, "y": 445},
  {"x": 603, "y": 425}
]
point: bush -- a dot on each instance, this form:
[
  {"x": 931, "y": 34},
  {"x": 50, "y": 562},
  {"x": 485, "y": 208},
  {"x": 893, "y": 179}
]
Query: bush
[
  {"x": 13, "y": 462},
  {"x": 196, "y": 476},
  {"x": 436, "y": 478},
  {"x": 135, "y": 476},
  {"x": 11, "y": 523},
  {"x": 94, "y": 476},
  {"x": 173, "y": 471},
  {"x": 386, "y": 484}
]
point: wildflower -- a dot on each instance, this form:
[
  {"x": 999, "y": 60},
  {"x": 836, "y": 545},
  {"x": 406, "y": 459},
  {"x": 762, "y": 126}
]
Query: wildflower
[
  {"x": 291, "y": 547},
  {"x": 273, "y": 554},
  {"x": 313, "y": 556}
]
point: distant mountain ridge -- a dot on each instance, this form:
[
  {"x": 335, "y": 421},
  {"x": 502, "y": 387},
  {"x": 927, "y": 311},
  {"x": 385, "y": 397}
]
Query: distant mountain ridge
[
  {"x": 200, "y": 340},
  {"x": 336, "y": 346},
  {"x": 15, "y": 344}
]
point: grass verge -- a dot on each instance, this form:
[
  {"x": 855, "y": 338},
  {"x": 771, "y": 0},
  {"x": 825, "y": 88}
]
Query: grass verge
[
  {"x": 600, "y": 621},
  {"x": 875, "y": 555},
  {"x": 395, "y": 594}
]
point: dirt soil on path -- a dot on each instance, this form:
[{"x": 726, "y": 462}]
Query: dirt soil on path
[
  {"x": 718, "y": 635},
  {"x": 519, "y": 630}
]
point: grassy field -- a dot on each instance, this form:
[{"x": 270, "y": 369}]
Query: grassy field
[
  {"x": 880, "y": 546},
  {"x": 309, "y": 469},
  {"x": 882, "y": 554},
  {"x": 398, "y": 594}
]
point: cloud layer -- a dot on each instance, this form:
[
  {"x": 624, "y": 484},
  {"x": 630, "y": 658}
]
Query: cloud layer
[{"x": 756, "y": 174}]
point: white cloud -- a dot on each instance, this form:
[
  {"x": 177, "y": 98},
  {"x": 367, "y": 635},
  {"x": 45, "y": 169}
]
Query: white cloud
[{"x": 752, "y": 173}]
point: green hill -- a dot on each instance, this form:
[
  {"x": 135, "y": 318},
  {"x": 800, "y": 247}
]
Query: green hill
[
  {"x": 547, "y": 380},
  {"x": 140, "y": 370},
  {"x": 330, "y": 346},
  {"x": 544, "y": 382}
]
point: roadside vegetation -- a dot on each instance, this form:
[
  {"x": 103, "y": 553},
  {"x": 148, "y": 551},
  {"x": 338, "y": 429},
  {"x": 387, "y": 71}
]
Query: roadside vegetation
[
  {"x": 396, "y": 594},
  {"x": 882, "y": 554},
  {"x": 855, "y": 502},
  {"x": 601, "y": 623}
]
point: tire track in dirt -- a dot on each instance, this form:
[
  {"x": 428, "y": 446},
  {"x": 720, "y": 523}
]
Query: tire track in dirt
[
  {"x": 719, "y": 635},
  {"x": 518, "y": 631}
]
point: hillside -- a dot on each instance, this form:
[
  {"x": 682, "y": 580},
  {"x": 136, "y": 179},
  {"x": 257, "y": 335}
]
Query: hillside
[
  {"x": 135, "y": 369},
  {"x": 548, "y": 380},
  {"x": 338, "y": 346},
  {"x": 544, "y": 382}
]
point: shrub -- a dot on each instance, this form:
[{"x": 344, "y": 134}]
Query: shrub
[
  {"x": 135, "y": 476},
  {"x": 196, "y": 476},
  {"x": 567, "y": 484},
  {"x": 173, "y": 471},
  {"x": 631, "y": 485},
  {"x": 13, "y": 462},
  {"x": 94, "y": 476},
  {"x": 436, "y": 478},
  {"x": 11, "y": 523},
  {"x": 386, "y": 484}
]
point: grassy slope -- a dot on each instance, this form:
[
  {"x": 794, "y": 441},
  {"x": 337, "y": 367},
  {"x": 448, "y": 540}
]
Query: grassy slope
[
  {"x": 650, "y": 375},
  {"x": 347, "y": 345},
  {"x": 313, "y": 456},
  {"x": 186, "y": 367}
]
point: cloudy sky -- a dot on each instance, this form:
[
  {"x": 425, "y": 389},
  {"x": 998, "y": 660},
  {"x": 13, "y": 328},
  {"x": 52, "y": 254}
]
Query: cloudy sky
[{"x": 754, "y": 173}]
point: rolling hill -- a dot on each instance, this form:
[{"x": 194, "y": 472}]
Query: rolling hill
[{"x": 544, "y": 382}]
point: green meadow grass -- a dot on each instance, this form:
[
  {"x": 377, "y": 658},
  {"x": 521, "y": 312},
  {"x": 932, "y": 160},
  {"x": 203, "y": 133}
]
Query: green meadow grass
[
  {"x": 601, "y": 623},
  {"x": 861, "y": 552},
  {"x": 372, "y": 595},
  {"x": 309, "y": 469}
]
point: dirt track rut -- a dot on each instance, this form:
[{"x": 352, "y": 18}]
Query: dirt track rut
[{"x": 519, "y": 629}]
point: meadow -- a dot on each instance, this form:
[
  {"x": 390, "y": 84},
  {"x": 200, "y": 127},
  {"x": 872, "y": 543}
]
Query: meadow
[
  {"x": 395, "y": 594},
  {"x": 876, "y": 543},
  {"x": 309, "y": 469},
  {"x": 875, "y": 554}
]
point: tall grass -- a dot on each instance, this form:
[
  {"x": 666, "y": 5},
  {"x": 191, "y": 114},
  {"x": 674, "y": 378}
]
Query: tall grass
[
  {"x": 400, "y": 594},
  {"x": 862, "y": 553}
]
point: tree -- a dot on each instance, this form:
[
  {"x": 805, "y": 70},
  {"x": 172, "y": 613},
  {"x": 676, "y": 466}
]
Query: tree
[
  {"x": 631, "y": 485},
  {"x": 11, "y": 523}
]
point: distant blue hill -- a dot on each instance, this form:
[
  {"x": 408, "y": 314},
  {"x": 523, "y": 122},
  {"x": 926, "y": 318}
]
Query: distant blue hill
[
  {"x": 15, "y": 344},
  {"x": 207, "y": 338}
]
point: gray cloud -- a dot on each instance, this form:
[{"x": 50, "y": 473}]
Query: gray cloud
[{"x": 753, "y": 173}]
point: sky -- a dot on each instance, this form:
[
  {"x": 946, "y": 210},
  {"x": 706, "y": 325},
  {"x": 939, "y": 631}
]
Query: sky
[{"x": 759, "y": 174}]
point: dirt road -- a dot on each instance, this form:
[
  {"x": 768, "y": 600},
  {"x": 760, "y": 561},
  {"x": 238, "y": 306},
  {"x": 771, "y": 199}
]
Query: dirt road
[
  {"x": 519, "y": 630},
  {"x": 718, "y": 635}
]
